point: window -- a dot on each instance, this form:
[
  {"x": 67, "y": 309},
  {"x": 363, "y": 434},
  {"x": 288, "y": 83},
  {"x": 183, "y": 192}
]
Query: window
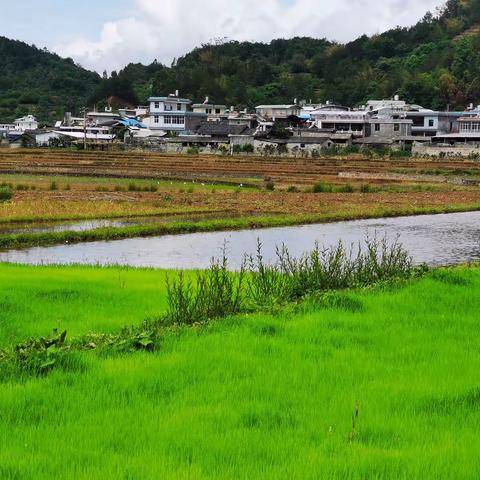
[
  {"x": 173, "y": 120},
  {"x": 377, "y": 127},
  {"x": 217, "y": 111},
  {"x": 396, "y": 127},
  {"x": 156, "y": 119},
  {"x": 157, "y": 105},
  {"x": 431, "y": 123},
  {"x": 179, "y": 107}
]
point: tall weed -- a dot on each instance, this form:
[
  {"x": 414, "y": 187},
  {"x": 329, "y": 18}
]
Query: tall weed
[{"x": 217, "y": 292}]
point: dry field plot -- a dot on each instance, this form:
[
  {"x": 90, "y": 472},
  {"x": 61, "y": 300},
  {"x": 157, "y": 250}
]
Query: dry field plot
[
  {"x": 283, "y": 171},
  {"x": 64, "y": 185}
]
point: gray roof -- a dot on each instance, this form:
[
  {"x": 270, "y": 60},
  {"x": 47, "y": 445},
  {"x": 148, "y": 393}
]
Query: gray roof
[
  {"x": 195, "y": 139},
  {"x": 222, "y": 129},
  {"x": 170, "y": 99}
]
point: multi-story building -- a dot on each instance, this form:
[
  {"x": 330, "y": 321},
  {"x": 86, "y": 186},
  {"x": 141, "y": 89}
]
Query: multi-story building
[
  {"x": 26, "y": 123},
  {"x": 171, "y": 114},
  {"x": 340, "y": 119},
  {"x": 168, "y": 113},
  {"x": 214, "y": 112},
  {"x": 278, "y": 112}
]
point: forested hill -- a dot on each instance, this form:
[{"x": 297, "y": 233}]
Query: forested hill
[
  {"x": 39, "y": 82},
  {"x": 432, "y": 63}
]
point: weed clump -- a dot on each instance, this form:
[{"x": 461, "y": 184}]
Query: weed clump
[
  {"x": 218, "y": 293},
  {"x": 214, "y": 293},
  {"x": 322, "y": 188},
  {"x": 6, "y": 193}
]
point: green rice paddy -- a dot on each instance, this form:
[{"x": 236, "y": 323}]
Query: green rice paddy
[{"x": 382, "y": 385}]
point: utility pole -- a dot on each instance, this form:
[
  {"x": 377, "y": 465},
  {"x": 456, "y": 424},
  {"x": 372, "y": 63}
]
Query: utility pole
[{"x": 84, "y": 128}]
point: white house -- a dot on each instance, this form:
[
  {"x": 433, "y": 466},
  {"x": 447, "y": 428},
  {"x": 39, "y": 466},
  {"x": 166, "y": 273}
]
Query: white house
[
  {"x": 340, "y": 120},
  {"x": 26, "y": 123},
  {"x": 168, "y": 113},
  {"x": 274, "y": 112},
  {"x": 214, "y": 112}
]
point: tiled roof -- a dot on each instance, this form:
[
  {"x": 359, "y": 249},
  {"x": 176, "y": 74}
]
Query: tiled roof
[{"x": 221, "y": 129}]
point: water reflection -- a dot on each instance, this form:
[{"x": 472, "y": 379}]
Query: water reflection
[{"x": 434, "y": 239}]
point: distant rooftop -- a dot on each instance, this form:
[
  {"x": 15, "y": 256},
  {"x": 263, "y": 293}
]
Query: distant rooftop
[
  {"x": 170, "y": 99},
  {"x": 278, "y": 106}
]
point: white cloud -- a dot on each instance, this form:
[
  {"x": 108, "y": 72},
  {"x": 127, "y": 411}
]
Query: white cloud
[{"x": 164, "y": 29}]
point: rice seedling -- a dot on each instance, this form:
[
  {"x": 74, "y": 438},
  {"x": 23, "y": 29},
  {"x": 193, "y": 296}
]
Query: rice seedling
[{"x": 389, "y": 390}]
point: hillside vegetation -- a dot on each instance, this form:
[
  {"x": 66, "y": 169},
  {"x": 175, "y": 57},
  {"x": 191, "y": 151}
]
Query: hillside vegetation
[{"x": 41, "y": 83}]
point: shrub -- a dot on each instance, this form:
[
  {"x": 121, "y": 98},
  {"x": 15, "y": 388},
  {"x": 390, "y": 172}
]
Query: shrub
[
  {"x": 193, "y": 151},
  {"x": 365, "y": 188},
  {"x": 53, "y": 186},
  {"x": 327, "y": 269},
  {"x": 346, "y": 189},
  {"x": 214, "y": 293},
  {"x": 292, "y": 189},
  {"x": 223, "y": 149},
  {"x": 248, "y": 148},
  {"x": 6, "y": 193},
  {"x": 400, "y": 153},
  {"x": 322, "y": 188},
  {"x": 270, "y": 186}
]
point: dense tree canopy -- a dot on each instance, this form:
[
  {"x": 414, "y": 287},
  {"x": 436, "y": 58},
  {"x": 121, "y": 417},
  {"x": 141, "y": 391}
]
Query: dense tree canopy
[{"x": 39, "y": 82}]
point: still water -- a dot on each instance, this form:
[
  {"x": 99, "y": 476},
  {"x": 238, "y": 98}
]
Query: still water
[{"x": 433, "y": 239}]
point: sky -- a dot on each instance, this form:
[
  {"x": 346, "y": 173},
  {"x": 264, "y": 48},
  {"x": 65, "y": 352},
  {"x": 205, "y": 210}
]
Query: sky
[{"x": 108, "y": 34}]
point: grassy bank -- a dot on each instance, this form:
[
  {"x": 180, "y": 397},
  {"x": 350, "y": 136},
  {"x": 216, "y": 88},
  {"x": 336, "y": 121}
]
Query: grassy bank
[
  {"x": 382, "y": 384},
  {"x": 24, "y": 240},
  {"x": 34, "y": 301}
]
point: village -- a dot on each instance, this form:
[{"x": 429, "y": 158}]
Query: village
[{"x": 173, "y": 124}]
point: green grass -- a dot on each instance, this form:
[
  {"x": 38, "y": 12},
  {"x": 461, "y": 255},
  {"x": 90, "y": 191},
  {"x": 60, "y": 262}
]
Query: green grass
[
  {"x": 112, "y": 182},
  {"x": 23, "y": 240},
  {"x": 259, "y": 396},
  {"x": 34, "y": 301}
]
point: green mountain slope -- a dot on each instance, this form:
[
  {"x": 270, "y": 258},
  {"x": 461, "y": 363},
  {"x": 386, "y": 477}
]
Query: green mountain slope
[{"x": 39, "y": 82}]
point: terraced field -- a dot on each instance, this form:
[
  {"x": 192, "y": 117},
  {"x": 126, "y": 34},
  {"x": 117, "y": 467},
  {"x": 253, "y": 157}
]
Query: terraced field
[
  {"x": 219, "y": 193},
  {"x": 246, "y": 170}
]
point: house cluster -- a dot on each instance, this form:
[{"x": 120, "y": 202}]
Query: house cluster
[{"x": 173, "y": 124}]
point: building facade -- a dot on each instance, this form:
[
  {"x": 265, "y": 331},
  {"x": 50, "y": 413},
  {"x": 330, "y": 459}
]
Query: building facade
[
  {"x": 26, "y": 123},
  {"x": 278, "y": 112},
  {"x": 213, "y": 111},
  {"x": 171, "y": 114}
]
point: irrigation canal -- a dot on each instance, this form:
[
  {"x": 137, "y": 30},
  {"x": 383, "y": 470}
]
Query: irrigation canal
[{"x": 434, "y": 239}]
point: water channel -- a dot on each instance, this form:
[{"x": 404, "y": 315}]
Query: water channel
[{"x": 434, "y": 239}]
